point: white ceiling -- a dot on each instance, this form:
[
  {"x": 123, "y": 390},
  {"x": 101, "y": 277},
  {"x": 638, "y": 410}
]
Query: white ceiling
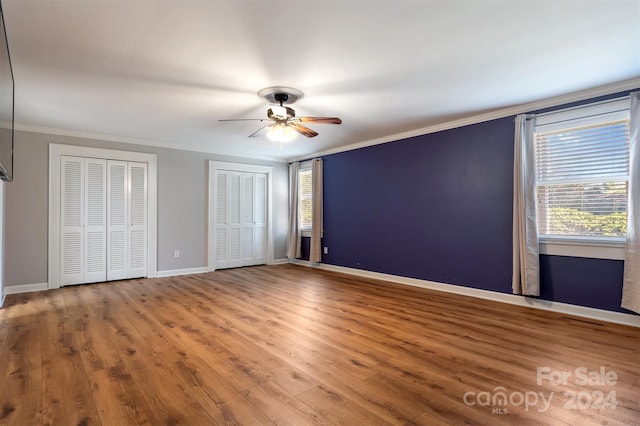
[{"x": 164, "y": 72}]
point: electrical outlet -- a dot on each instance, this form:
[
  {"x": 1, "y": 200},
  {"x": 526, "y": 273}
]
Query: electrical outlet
[
  {"x": 176, "y": 253},
  {"x": 326, "y": 250}
]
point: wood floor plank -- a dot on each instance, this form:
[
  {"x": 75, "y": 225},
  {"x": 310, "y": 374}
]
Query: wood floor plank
[
  {"x": 21, "y": 366},
  {"x": 172, "y": 404},
  {"x": 112, "y": 384},
  {"x": 196, "y": 377},
  {"x": 66, "y": 389},
  {"x": 293, "y": 345}
]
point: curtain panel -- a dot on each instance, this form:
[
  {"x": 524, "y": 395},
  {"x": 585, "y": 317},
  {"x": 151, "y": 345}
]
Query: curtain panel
[
  {"x": 294, "y": 241},
  {"x": 315, "y": 254},
  {"x": 631, "y": 278},
  {"x": 526, "y": 268}
]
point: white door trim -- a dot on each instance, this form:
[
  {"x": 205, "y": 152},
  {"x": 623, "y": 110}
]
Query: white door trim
[
  {"x": 58, "y": 150},
  {"x": 211, "y": 219}
]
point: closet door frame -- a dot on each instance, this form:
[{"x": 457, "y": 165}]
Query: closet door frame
[
  {"x": 56, "y": 151},
  {"x": 214, "y": 166}
]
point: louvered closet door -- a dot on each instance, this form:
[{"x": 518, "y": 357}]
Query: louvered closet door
[
  {"x": 96, "y": 221},
  {"x": 240, "y": 219},
  {"x": 234, "y": 220},
  {"x": 72, "y": 217},
  {"x": 248, "y": 184},
  {"x": 221, "y": 231},
  {"x": 137, "y": 215},
  {"x": 260, "y": 220},
  {"x": 117, "y": 222},
  {"x": 83, "y": 204},
  {"x": 254, "y": 229}
]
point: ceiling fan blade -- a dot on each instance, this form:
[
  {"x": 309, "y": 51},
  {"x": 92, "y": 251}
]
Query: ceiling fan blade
[
  {"x": 320, "y": 120},
  {"x": 246, "y": 119},
  {"x": 259, "y": 131},
  {"x": 303, "y": 130}
]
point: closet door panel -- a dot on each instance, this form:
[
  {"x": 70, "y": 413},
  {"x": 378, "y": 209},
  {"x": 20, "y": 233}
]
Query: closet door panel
[
  {"x": 95, "y": 225},
  {"x": 260, "y": 220},
  {"x": 137, "y": 233},
  {"x": 234, "y": 214},
  {"x": 117, "y": 190},
  {"x": 248, "y": 187},
  {"x": 72, "y": 217},
  {"x": 221, "y": 231}
]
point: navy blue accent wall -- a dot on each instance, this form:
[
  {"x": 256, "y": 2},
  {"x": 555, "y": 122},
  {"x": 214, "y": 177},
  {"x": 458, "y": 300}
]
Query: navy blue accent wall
[
  {"x": 595, "y": 283},
  {"x": 439, "y": 207},
  {"x": 305, "y": 248},
  {"x": 435, "y": 207}
]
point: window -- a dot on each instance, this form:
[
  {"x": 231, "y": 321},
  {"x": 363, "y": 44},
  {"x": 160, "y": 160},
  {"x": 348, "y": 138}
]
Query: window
[
  {"x": 582, "y": 173},
  {"x": 305, "y": 193}
]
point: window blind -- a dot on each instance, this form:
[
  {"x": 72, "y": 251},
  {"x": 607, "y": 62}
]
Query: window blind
[
  {"x": 582, "y": 175},
  {"x": 305, "y": 196}
]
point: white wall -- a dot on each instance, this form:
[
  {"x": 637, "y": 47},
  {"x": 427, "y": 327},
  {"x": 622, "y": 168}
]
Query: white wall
[
  {"x": 1, "y": 243},
  {"x": 182, "y": 205}
]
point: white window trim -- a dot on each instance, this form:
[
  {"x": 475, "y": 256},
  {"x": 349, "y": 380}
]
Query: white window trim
[
  {"x": 589, "y": 247},
  {"x": 575, "y": 247},
  {"x": 610, "y": 110}
]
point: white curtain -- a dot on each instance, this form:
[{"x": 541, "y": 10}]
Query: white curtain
[
  {"x": 315, "y": 254},
  {"x": 294, "y": 246},
  {"x": 631, "y": 280},
  {"x": 526, "y": 268}
]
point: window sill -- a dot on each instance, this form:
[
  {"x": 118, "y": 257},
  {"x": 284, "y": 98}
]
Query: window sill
[
  {"x": 580, "y": 248},
  {"x": 305, "y": 233}
]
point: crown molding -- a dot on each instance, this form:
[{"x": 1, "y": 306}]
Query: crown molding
[
  {"x": 621, "y": 86},
  {"x": 134, "y": 141},
  {"x": 446, "y": 125}
]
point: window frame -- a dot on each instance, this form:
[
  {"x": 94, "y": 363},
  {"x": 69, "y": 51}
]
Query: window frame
[
  {"x": 577, "y": 246},
  {"x": 305, "y": 167}
]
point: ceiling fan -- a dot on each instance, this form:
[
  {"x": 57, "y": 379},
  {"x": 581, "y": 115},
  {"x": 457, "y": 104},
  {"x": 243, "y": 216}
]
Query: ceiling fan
[{"x": 283, "y": 124}]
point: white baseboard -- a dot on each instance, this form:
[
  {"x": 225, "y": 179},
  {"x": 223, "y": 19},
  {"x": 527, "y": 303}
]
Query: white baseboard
[
  {"x": 512, "y": 299},
  {"x": 190, "y": 271},
  {"x": 25, "y": 288},
  {"x": 176, "y": 272}
]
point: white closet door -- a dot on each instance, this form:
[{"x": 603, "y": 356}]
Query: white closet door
[
  {"x": 221, "y": 231},
  {"x": 95, "y": 224},
  {"x": 260, "y": 219},
  {"x": 72, "y": 218},
  {"x": 83, "y": 204},
  {"x": 234, "y": 222},
  {"x": 137, "y": 215},
  {"x": 254, "y": 228},
  {"x": 248, "y": 186},
  {"x": 117, "y": 223},
  {"x": 240, "y": 219}
]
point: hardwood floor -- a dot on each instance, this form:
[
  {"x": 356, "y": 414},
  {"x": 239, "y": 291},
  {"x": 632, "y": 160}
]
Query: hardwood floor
[{"x": 293, "y": 345}]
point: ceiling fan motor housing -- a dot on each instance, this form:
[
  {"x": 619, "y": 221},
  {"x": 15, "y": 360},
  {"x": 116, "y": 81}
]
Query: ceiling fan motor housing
[{"x": 281, "y": 97}]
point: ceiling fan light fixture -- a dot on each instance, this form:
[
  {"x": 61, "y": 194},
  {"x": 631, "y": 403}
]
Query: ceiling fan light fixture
[
  {"x": 285, "y": 126},
  {"x": 281, "y": 133},
  {"x": 279, "y": 112}
]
